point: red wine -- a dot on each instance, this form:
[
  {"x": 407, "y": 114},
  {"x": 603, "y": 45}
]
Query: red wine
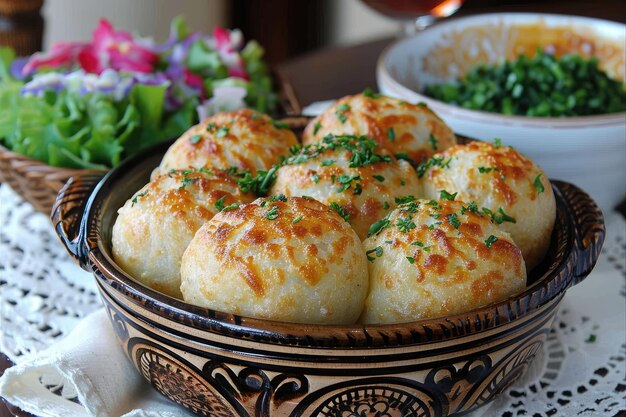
[{"x": 410, "y": 9}]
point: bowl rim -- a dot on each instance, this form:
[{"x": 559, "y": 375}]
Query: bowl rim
[
  {"x": 550, "y": 283},
  {"x": 383, "y": 75}
]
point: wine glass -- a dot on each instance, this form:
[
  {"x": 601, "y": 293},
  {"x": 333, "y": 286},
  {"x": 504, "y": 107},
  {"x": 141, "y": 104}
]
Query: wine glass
[{"x": 414, "y": 15}]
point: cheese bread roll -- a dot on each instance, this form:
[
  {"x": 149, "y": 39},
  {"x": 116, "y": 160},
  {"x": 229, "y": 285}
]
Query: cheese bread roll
[
  {"x": 155, "y": 226},
  {"x": 348, "y": 174},
  {"x": 396, "y": 125},
  {"x": 242, "y": 138},
  {"x": 432, "y": 258},
  {"x": 283, "y": 259},
  {"x": 504, "y": 184}
]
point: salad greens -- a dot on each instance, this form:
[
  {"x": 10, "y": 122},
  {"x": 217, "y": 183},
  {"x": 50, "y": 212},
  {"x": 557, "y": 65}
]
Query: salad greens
[{"x": 541, "y": 86}]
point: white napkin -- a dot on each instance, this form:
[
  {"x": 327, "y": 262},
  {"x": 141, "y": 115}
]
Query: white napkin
[{"x": 93, "y": 369}]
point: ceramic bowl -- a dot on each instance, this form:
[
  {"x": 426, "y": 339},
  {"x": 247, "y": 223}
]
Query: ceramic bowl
[
  {"x": 588, "y": 151},
  {"x": 218, "y": 364}
]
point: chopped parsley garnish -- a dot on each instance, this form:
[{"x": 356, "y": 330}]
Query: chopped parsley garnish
[
  {"x": 410, "y": 259},
  {"x": 591, "y": 339},
  {"x": 219, "y": 204},
  {"x": 444, "y": 195},
  {"x": 433, "y": 161},
  {"x": 422, "y": 104},
  {"x": 369, "y": 93},
  {"x": 497, "y": 142},
  {"x": 432, "y": 226},
  {"x": 403, "y": 200},
  {"x": 484, "y": 170},
  {"x": 402, "y": 183},
  {"x": 340, "y": 210},
  {"x": 211, "y": 127},
  {"x": 272, "y": 213},
  {"x": 328, "y": 162},
  {"x": 279, "y": 124},
  {"x": 405, "y": 224},
  {"x": 279, "y": 197},
  {"x": 379, "y": 226},
  {"x": 409, "y": 208},
  {"x": 434, "y": 204},
  {"x": 346, "y": 181},
  {"x": 260, "y": 183},
  {"x": 499, "y": 217},
  {"x": 357, "y": 189},
  {"x": 186, "y": 181},
  {"x": 378, "y": 251},
  {"x": 540, "y": 85},
  {"x": 472, "y": 207},
  {"x": 316, "y": 127},
  {"x": 231, "y": 207},
  {"x": 316, "y": 178},
  {"x": 435, "y": 216},
  {"x": 538, "y": 184},
  {"x": 391, "y": 134},
  {"x": 341, "y": 112},
  {"x": 490, "y": 241},
  {"x": 297, "y": 219},
  {"x": 378, "y": 178},
  {"x": 433, "y": 141},
  {"x": 360, "y": 150},
  {"x": 421, "y": 245},
  {"x": 222, "y": 131},
  {"x": 386, "y": 205},
  {"x": 140, "y": 195},
  {"x": 195, "y": 139},
  {"x": 403, "y": 156}
]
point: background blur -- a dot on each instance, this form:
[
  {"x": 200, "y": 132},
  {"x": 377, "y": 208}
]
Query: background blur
[{"x": 286, "y": 28}]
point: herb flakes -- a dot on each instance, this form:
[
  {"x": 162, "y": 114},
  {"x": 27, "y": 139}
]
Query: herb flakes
[
  {"x": 538, "y": 184},
  {"x": 340, "y": 210},
  {"x": 378, "y": 251},
  {"x": 490, "y": 241}
]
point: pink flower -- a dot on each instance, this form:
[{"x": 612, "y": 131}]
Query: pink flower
[
  {"x": 62, "y": 54},
  {"x": 109, "y": 48},
  {"x": 195, "y": 81},
  {"x": 226, "y": 43},
  {"x": 117, "y": 50}
]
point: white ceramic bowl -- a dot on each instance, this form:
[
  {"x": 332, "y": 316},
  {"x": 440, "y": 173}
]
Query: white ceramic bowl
[{"x": 589, "y": 151}]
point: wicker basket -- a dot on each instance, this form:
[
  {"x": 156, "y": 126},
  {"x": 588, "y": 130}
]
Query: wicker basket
[{"x": 35, "y": 181}]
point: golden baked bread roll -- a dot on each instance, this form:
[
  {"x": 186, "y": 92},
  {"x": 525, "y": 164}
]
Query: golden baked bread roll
[
  {"x": 244, "y": 138},
  {"x": 515, "y": 191},
  {"x": 396, "y": 125},
  {"x": 348, "y": 173},
  {"x": 432, "y": 258},
  {"x": 292, "y": 260},
  {"x": 155, "y": 226}
]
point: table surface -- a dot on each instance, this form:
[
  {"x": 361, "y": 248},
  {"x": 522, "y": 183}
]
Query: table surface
[{"x": 321, "y": 75}]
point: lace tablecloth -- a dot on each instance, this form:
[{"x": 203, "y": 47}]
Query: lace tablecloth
[{"x": 580, "y": 371}]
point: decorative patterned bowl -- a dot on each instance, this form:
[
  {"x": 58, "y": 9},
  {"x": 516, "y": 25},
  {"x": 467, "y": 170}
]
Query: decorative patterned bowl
[
  {"x": 588, "y": 151},
  {"x": 217, "y": 364}
]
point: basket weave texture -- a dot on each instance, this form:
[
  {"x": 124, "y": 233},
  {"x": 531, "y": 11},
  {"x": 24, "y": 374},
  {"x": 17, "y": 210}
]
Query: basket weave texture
[{"x": 35, "y": 181}]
